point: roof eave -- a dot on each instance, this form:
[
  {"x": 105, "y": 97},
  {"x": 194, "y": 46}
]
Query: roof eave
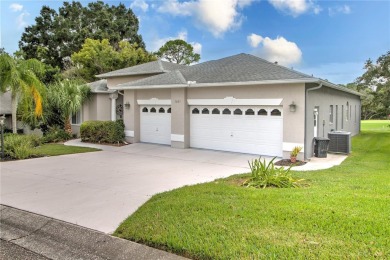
[
  {"x": 334, "y": 86},
  {"x": 105, "y": 76}
]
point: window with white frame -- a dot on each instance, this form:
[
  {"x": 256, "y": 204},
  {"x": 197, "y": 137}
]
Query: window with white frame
[{"x": 76, "y": 118}]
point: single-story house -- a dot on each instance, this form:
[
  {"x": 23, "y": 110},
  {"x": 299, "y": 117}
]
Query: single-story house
[{"x": 240, "y": 103}]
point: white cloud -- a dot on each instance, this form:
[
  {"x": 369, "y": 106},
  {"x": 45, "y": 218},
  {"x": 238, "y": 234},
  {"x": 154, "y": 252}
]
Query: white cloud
[
  {"x": 254, "y": 40},
  {"x": 276, "y": 50},
  {"x": 344, "y": 9},
  {"x": 20, "y": 20},
  {"x": 217, "y": 16},
  {"x": 182, "y": 35},
  {"x": 139, "y": 4},
  {"x": 296, "y": 7},
  {"x": 16, "y": 7}
]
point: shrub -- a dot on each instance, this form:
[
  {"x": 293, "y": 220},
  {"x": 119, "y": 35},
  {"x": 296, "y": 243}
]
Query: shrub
[
  {"x": 102, "y": 131},
  {"x": 20, "y": 146},
  {"x": 55, "y": 134},
  {"x": 265, "y": 175}
]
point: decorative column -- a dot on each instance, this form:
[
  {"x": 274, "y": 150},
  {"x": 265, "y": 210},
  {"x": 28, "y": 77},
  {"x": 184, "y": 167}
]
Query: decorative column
[{"x": 113, "y": 97}]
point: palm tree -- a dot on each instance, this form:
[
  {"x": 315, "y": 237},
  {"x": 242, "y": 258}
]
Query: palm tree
[
  {"x": 21, "y": 78},
  {"x": 68, "y": 96}
]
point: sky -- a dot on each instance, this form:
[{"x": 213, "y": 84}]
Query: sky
[{"x": 327, "y": 39}]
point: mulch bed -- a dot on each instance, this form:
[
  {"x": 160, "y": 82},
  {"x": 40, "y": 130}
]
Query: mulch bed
[{"x": 287, "y": 162}]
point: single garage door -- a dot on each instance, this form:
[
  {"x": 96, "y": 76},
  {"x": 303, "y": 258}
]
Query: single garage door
[
  {"x": 254, "y": 130},
  {"x": 156, "y": 124}
]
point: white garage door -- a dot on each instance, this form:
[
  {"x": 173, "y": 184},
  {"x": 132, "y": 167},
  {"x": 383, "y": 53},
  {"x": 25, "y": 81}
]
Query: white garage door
[
  {"x": 156, "y": 124},
  {"x": 252, "y": 129}
]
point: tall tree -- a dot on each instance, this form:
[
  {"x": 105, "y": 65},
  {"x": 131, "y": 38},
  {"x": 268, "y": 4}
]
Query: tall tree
[
  {"x": 375, "y": 84},
  {"x": 55, "y": 36},
  {"x": 67, "y": 97},
  {"x": 178, "y": 51},
  {"x": 98, "y": 57},
  {"x": 21, "y": 78}
]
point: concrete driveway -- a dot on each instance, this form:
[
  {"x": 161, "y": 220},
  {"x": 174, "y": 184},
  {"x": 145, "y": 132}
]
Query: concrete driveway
[{"x": 98, "y": 190}]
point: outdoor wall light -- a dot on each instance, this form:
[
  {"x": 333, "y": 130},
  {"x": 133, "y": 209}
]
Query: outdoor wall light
[
  {"x": 127, "y": 105},
  {"x": 293, "y": 107}
]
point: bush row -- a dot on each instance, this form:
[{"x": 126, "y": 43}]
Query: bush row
[
  {"x": 102, "y": 131},
  {"x": 20, "y": 146}
]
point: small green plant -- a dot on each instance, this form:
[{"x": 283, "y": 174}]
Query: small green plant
[
  {"x": 20, "y": 146},
  {"x": 295, "y": 151},
  {"x": 56, "y": 134},
  {"x": 265, "y": 174}
]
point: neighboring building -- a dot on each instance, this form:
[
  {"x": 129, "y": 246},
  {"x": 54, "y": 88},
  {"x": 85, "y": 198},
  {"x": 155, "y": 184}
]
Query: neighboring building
[{"x": 240, "y": 103}]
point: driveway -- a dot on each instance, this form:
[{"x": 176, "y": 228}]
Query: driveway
[{"x": 98, "y": 190}]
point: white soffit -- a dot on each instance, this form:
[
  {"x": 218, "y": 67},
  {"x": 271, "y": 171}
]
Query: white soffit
[
  {"x": 154, "y": 101},
  {"x": 231, "y": 101}
]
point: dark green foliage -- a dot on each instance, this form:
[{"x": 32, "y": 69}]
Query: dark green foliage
[
  {"x": 103, "y": 131},
  {"x": 178, "y": 51},
  {"x": 56, "y": 134},
  {"x": 56, "y": 35},
  {"x": 20, "y": 146},
  {"x": 267, "y": 175}
]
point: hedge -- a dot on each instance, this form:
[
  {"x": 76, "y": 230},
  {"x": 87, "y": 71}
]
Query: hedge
[{"x": 102, "y": 131}]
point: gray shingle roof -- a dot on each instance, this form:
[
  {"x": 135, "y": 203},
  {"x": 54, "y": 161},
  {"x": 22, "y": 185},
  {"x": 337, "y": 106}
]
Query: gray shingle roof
[
  {"x": 152, "y": 67},
  {"x": 237, "y": 68},
  {"x": 99, "y": 86}
]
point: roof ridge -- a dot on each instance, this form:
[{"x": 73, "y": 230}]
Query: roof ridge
[{"x": 181, "y": 77}]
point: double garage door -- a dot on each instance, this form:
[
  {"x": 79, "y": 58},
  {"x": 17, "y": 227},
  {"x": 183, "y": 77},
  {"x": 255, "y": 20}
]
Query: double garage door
[
  {"x": 243, "y": 129},
  {"x": 254, "y": 130}
]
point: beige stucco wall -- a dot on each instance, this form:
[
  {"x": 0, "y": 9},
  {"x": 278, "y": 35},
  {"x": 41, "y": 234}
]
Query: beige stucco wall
[{"x": 323, "y": 98}]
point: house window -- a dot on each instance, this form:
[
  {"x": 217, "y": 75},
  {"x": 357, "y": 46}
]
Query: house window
[
  {"x": 215, "y": 111},
  {"x": 76, "y": 118},
  {"x": 331, "y": 114},
  {"x": 226, "y": 111},
  {"x": 347, "y": 111},
  {"x": 262, "y": 112},
  {"x": 238, "y": 111},
  {"x": 195, "y": 111},
  {"x": 249, "y": 112},
  {"x": 205, "y": 111},
  {"x": 276, "y": 112},
  {"x": 355, "y": 113},
  {"x": 161, "y": 110},
  {"x": 342, "y": 116},
  {"x": 152, "y": 110},
  {"x": 350, "y": 112},
  {"x": 169, "y": 110},
  {"x": 145, "y": 110},
  {"x": 337, "y": 117}
]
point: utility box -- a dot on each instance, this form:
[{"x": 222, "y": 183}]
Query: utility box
[
  {"x": 321, "y": 147},
  {"x": 340, "y": 142}
]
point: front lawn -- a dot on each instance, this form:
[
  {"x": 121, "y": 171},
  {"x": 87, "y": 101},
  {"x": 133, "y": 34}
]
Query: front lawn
[
  {"x": 60, "y": 149},
  {"x": 344, "y": 213}
]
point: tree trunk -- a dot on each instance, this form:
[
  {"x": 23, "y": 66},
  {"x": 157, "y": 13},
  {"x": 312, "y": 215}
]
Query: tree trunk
[
  {"x": 68, "y": 126},
  {"x": 14, "y": 108}
]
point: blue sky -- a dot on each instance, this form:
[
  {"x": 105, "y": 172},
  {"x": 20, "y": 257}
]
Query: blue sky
[{"x": 329, "y": 39}]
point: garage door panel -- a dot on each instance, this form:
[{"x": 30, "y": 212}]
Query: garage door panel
[
  {"x": 155, "y": 127},
  {"x": 255, "y": 134}
]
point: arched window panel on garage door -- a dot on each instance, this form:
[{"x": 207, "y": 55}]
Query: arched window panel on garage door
[
  {"x": 145, "y": 110},
  {"x": 161, "y": 110},
  {"x": 237, "y": 111},
  {"x": 226, "y": 111},
  {"x": 169, "y": 110},
  {"x": 153, "y": 110},
  {"x": 262, "y": 112},
  {"x": 205, "y": 111},
  {"x": 215, "y": 111},
  {"x": 276, "y": 112},
  {"x": 195, "y": 111},
  {"x": 249, "y": 112}
]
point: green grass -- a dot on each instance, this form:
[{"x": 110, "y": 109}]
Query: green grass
[
  {"x": 376, "y": 125},
  {"x": 60, "y": 149},
  {"x": 344, "y": 213}
]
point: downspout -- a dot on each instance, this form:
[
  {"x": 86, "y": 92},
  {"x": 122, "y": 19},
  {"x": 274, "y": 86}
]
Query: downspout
[{"x": 306, "y": 94}]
